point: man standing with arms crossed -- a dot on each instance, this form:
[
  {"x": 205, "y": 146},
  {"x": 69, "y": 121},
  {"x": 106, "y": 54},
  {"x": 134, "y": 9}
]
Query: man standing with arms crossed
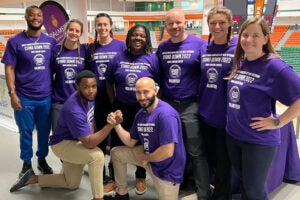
[
  {"x": 28, "y": 78},
  {"x": 178, "y": 57}
]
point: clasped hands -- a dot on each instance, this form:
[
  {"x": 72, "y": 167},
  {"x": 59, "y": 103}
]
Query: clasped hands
[{"x": 115, "y": 118}]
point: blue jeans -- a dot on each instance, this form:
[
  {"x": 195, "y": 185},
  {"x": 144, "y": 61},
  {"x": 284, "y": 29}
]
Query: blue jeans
[
  {"x": 194, "y": 144},
  {"x": 251, "y": 162},
  {"x": 35, "y": 112}
]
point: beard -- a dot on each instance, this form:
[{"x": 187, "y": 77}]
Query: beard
[
  {"x": 35, "y": 28},
  {"x": 84, "y": 98},
  {"x": 151, "y": 101}
]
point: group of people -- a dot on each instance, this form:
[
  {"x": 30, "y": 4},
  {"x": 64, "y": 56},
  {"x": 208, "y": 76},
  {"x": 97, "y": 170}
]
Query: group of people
[{"x": 213, "y": 108}]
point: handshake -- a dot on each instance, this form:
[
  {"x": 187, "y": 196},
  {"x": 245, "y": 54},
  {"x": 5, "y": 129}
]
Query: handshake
[{"x": 115, "y": 118}]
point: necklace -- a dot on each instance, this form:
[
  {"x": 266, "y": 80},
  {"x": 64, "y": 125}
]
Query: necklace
[{"x": 30, "y": 37}]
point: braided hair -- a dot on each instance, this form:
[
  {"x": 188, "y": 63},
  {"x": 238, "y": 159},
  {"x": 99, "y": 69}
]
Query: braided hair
[
  {"x": 220, "y": 10},
  {"x": 95, "y": 43}
]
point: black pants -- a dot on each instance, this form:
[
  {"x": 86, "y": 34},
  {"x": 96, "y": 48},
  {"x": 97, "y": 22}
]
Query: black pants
[
  {"x": 218, "y": 159},
  {"x": 129, "y": 112},
  {"x": 102, "y": 108}
]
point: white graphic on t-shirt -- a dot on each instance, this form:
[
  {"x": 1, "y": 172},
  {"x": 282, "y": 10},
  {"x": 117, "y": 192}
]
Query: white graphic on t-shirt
[
  {"x": 70, "y": 75},
  {"x": 146, "y": 145},
  {"x": 234, "y": 95},
  {"x": 101, "y": 70},
  {"x": 39, "y": 59},
  {"x": 212, "y": 77},
  {"x": 175, "y": 72},
  {"x": 131, "y": 79}
]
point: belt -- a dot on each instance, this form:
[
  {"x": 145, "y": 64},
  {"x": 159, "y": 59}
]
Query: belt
[
  {"x": 182, "y": 101},
  {"x": 58, "y": 102}
]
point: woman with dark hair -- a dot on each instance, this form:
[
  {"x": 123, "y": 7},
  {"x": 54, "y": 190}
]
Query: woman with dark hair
[
  {"x": 68, "y": 59},
  {"x": 123, "y": 71},
  {"x": 216, "y": 62},
  {"x": 100, "y": 52},
  {"x": 258, "y": 79}
]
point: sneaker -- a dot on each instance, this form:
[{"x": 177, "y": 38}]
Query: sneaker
[
  {"x": 22, "y": 181},
  {"x": 44, "y": 167},
  {"x": 25, "y": 168},
  {"x": 140, "y": 186},
  {"x": 109, "y": 188},
  {"x": 117, "y": 197}
]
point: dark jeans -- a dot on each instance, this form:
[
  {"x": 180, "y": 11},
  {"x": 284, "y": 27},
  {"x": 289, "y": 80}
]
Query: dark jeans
[
  {"x": 129, "y": 112},
  {"x": 251, "y": 162},
  {"x": 218, "y": 159},
  {"x": 194, "y": 144}
]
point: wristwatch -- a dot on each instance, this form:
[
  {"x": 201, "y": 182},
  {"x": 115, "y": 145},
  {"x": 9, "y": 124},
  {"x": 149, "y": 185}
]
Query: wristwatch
[
  {"x": 277, "y": 122},
  {"x": 10, "y": 92}
]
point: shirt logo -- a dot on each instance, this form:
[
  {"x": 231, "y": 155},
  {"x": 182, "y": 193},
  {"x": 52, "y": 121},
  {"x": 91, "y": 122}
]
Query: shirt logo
[
  {"x": 39, "y": 59},
  {"x": 131, "y": 79},
  {"x": 175, "y": 71},
  {"x": 212, "y": 75},
  {"x": 102, "y": 69},
  {"x": 69, "y": 73}
]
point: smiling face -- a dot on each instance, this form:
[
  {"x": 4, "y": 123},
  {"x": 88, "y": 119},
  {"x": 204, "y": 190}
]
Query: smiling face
[
  {"x": 34, "y": 18},
  {"x": 218, "y": 25},
  {"x": 146, "y": 93},
  {"x": 74, "y": 31},
  {"x": 103, "y": 27},
  {"x": 252, "y": 41},
  {"x": 137, "y": 41},
  {"x": 175, "y": 25}
]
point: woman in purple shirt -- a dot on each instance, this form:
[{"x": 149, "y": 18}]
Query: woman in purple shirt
[
  {"x": 122, "y": 73},
  {"x": 255, "y": 83},
  {"x": 101, "y": 52},
  {"x": 68, "y": 59},
  {"x": 216, "y": 62}
]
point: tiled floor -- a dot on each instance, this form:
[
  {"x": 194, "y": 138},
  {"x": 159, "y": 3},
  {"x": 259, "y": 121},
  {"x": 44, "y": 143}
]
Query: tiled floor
[{"x": 11, "y": 165}]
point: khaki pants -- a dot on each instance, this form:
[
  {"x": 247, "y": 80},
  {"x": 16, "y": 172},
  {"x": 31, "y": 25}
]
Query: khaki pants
[
  {"x": 75, "y": 156},
  {"x": 122, "y": 156}
]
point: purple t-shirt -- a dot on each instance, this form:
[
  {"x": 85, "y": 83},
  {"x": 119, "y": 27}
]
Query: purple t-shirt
[
  {"x": 216, "y": 64},
  {"x": 125, "y": 69},
  {"x": 160, "y": 127},
  {"x": 65, "y": 68},
  {"x": 179, "y": 63},
  {"x": 102, "y": 56},
  {"x": 75, "y": 120},
  {"x": 252, "y": 93},
  {"x": 31, "y": 58}
]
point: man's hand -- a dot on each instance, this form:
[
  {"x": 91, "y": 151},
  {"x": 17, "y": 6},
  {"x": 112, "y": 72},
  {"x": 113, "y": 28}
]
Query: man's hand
[
  {"x": 115, "y": 118},
  {"x": 144, "y": 159}
]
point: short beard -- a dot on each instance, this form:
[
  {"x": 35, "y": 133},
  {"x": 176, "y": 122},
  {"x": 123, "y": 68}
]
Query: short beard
[
  {"x": 151, "y": 101},
  {"x": 34, "y": 28},
  {"x": 83, "y": 98}
]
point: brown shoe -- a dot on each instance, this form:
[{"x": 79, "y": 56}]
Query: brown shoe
[
  {"x": 109, "y": 188},
  {"x": 140, "y": 186}
]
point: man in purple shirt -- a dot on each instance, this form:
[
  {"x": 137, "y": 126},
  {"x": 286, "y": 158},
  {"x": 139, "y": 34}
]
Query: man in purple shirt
[
  {"x": 75, "y": 142},
  {"x": 157, "y": 126},
  {"x": 28, "y": 78},
  {"x": 178, "y": 57}
]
